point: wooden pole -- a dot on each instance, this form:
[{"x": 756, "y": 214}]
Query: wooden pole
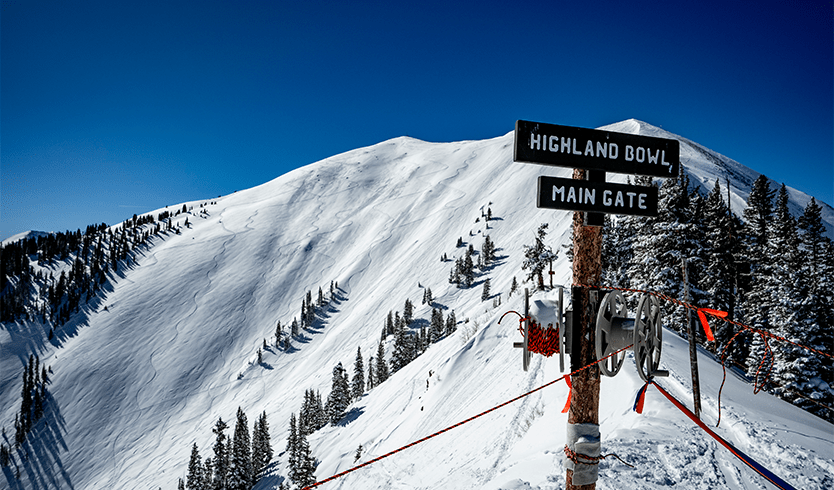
[
  {"x": 587, "y": 269},
  {"x": 693, "y": 350}
]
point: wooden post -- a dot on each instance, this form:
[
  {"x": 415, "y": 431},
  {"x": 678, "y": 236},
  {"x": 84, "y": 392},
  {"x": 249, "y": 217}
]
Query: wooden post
[
  {"x": 587, "y": 269},
  {"x": 693, "y": 350}
]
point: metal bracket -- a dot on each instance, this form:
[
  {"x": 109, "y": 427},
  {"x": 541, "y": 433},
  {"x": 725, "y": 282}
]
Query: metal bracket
[{"x": 525, "y": 354}]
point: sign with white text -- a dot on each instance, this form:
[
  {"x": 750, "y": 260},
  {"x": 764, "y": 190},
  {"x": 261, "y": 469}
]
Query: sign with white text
[
  {"x": 567, "y": 146},
  {"x": 601, "y": 197}
]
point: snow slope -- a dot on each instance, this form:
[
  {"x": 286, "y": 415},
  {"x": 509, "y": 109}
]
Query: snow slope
[{"x": 144, "y": 372}]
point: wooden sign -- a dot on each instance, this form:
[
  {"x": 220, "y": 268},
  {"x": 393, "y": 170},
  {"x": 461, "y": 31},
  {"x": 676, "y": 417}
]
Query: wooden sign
[
  {"x": 600, "y": 197},
  {"x": 566, "y": 146}
]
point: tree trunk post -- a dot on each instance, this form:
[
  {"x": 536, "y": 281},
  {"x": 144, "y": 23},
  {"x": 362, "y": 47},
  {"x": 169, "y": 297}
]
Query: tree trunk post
[{"x": 583, "y": 417}]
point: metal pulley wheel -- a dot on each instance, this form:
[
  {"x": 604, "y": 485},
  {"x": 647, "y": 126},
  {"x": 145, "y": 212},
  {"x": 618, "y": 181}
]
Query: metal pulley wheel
[
  {"x": 648, "y": 338},
  {"x": 613, "y": 332}
]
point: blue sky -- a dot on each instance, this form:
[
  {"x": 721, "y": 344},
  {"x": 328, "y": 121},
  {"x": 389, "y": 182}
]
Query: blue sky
[{"x": 113, "y": 108}]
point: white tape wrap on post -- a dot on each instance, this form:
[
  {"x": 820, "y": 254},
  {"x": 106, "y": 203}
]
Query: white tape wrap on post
[{"x": 583, "y": 440}]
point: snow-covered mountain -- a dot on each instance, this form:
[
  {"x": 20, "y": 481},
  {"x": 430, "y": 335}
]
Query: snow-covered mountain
[{"x": 144, "y": 372}]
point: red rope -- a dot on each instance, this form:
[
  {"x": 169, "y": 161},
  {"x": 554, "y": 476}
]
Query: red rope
[
  {"x": 447, "y": 429},
  {"x": 544, "y": 341},
  {"x": 758, "y": 383}
]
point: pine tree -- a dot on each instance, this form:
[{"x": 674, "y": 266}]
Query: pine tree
[
  {"x": 306, "y": 465},
  {"x": 381, "y": 371},
  {"x": 451, "y": 323},
  {"x": 358, "y": 386},
  {"x": 454, "y": 273},
  {"x": 812, "y": 238},
  {"x": 389, "y": 324},
  {"x": 485, "y": 294},
  {"x": 429, "y": 297},
  {"x": 208, "y": 471},
  {"x": 240, "y": 468},
  {"x": 307, "y": 416},
  {"x": 786, "y": 297},
  {"x": 513, "y": 286},
  {"x": 537, "y": 256},
  {"x": 656, "y": 248},
  {"x": 468, "y": 271},
  {"x": 717, "y": 281},
  {"x": 293, "y": 449},
  {"x": 339, "y": 397},
  {"x": 437, "y": 325},
  {"x": 817, "y": 311},
  {"x": 757, "y": 299},
  {"x": 194, "y": 479},
  {"x": 408, "y": 312},
  {"x": 261, "y": 447},
  {"x": 488, "y": 250},
  {"x": 221, "y": 456},
  {"x": 321, "y": 416},
  {"x": 371, "y": 379}
]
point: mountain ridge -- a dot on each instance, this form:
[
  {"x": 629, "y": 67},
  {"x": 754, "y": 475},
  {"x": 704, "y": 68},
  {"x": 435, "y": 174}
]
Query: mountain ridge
[{"x": 171, "y": 347}]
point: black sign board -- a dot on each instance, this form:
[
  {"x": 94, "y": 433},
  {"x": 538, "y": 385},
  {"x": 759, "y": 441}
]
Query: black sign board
[
  {"x": 566, "y": 146},
  {"x": 601, "y": 197}
]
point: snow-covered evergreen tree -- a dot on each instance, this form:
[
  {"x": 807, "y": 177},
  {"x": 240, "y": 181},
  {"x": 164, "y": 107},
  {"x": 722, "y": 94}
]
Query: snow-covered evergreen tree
[
  {"x": 817, "y": 313},
  {"x": 305, "y": 469},
  {"x": 485, "y": 293},
  {"x": 194, "y": 480},
  {"x": 718, "y": 274},
  {"x": 451, "y": 323},
  {"x": 221, "y": 456},
  {"x": 261, "y": 446},
  {"x": 786, "y": 296},
  {"x": 358, "y": 385},
  {"x": 381, "y": 372},
  {"x": 240, "y": 468},
  {"x": 488, "y": 250},
  {"x": 389, "y": 324},
  {"x": 759, "y": 281},
  {"x": 408, "y": 312},
  {"x": 339, "y": 397},
  {"x": 437, "y": 325},
  {"x": 454, "y": 273},
  {"x": 371, "y": 378},
  {"x": 292, "y": 449},
  {"x": 537, "y": 257},
  {"x": 403, "y": 351}
]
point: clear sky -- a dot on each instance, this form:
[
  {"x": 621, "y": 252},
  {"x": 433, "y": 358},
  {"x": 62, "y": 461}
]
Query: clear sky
[{"x": 113, "y": 108}]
